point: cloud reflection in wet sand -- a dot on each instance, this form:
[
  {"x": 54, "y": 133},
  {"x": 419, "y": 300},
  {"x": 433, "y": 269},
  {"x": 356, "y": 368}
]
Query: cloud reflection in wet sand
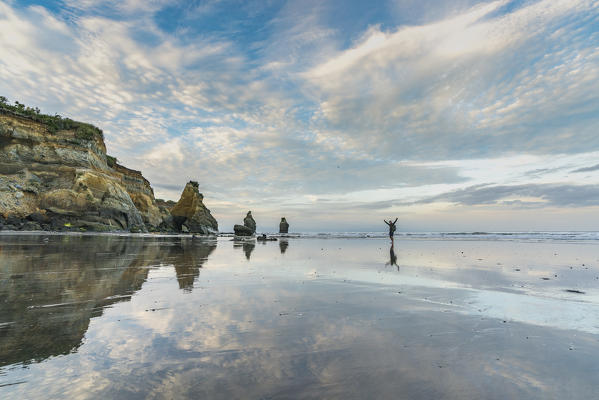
[{"x": 325, "y": 319}]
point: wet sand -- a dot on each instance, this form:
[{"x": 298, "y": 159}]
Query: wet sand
[{"x": 131, "y": 317}]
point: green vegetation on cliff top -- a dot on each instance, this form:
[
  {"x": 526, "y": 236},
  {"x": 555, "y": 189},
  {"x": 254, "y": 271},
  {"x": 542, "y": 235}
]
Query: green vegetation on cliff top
[
  {"x": 53, "y": 123},
  {"x": 111, "y": 161}
]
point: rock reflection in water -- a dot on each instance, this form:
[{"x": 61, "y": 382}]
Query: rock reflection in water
[
  {"x": 51, "y": 286},
  {"x": 189, "y": 258},
  {"x": 247, "y": 246},
  {"x": 283, "y": 244}
]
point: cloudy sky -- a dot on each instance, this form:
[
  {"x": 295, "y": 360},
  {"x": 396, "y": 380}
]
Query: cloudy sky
[{"x": 451, "y": 115}]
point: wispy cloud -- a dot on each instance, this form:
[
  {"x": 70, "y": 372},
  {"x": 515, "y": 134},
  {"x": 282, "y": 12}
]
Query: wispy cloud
[
  {"x": 521, "y": 195},
  {"x": 588, "y": 169},
  {"x": 475, "y": 84}
]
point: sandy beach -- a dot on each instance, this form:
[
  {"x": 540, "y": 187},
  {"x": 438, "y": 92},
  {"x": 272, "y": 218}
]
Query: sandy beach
[{"x": 130, "y": 317}]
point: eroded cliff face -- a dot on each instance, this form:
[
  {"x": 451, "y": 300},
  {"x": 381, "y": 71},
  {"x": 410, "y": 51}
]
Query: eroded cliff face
[
  {"x": 142, "y": 195},
  {"x": 190, "y": 214},
  {"x": 63, "y": 180}
]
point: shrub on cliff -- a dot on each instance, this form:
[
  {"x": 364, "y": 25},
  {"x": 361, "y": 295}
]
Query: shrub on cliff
[
  {"x": 86, "y": 132},
  {"x": 111, "y": 161}
]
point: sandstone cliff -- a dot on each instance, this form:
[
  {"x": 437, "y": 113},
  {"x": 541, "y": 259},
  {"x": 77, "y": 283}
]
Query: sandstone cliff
[
  {"x": 141, "y": 194},
  {"x": 55, "y": 175}
]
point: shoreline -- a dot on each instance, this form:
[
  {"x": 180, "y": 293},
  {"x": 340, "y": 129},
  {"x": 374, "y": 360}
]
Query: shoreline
[{"x": 532, "y": 237}]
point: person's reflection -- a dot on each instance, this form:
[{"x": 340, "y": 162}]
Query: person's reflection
[
  {"x": 248, "y": 247},
  {"x": 283, "y": 244},
  {"x": 392, "y": 257}
]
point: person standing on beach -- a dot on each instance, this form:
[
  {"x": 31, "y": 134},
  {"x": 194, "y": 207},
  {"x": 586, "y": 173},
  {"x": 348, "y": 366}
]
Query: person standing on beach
[{"x": 391, "y": 227}]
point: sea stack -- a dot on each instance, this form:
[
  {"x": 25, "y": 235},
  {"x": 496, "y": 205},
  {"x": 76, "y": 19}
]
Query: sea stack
[
  {"x": 190, "y": 214},
  {"x": 249, "y": 222},
  {"x": 284, "y": 226},
  {"x": 248, "y": 228}
]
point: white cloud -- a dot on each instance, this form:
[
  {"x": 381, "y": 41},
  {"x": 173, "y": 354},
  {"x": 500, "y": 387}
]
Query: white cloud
[
  {"x": 126, "y": 6},
  {"x": 422, "y": 91},
  {"x": 169, "y": 152}
]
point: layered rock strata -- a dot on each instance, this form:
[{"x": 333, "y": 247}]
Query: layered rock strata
[
  {"x": 142, "y": 195},
  {"x": 62, "y": 179}
]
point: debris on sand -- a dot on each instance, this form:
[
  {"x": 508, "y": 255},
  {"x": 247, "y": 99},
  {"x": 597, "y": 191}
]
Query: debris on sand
[{"x": 574, "y": 291}]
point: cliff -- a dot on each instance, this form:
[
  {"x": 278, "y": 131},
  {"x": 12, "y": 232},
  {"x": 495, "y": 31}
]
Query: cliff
[
  {"x": 55, "y": 175},
  {"x": 141, "y": 194}
]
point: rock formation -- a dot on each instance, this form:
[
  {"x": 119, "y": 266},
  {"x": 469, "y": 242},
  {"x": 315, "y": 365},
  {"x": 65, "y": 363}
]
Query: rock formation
[
  {"x": 142, "y": 195},
  {"x": 55, "y": 175},
  {"x": 57, "y": 180},
  {"x": 190, "y": 214},
  {"x": 248, "y": 228},
  {"x": 283, "y": 226},
  {"x": 249, "y": 222}
]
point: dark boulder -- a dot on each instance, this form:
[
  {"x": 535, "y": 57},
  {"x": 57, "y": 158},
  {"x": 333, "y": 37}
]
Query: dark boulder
[
  {"x": 242, "y": 230},
  {"x": 14, "y": 220},
  {"x": 39, "y": 218},
  {"x": 31, "y": 226},
  {"x": 265, "y": 238}
]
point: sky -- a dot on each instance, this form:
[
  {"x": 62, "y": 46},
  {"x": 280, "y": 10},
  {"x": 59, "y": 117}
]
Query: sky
[{"x": 450, "y": 115}]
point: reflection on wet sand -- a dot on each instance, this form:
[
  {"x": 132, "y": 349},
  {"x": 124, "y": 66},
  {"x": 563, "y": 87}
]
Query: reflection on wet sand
[
  {"x": 328, "y": 322},
  {"x": 283, "y": 244},
  {"x": 392, "y": 257},
  {"x": 247, "y": 246},
  {"x": 188, "y": 257},
  {"x": 51, "y": 286}
]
